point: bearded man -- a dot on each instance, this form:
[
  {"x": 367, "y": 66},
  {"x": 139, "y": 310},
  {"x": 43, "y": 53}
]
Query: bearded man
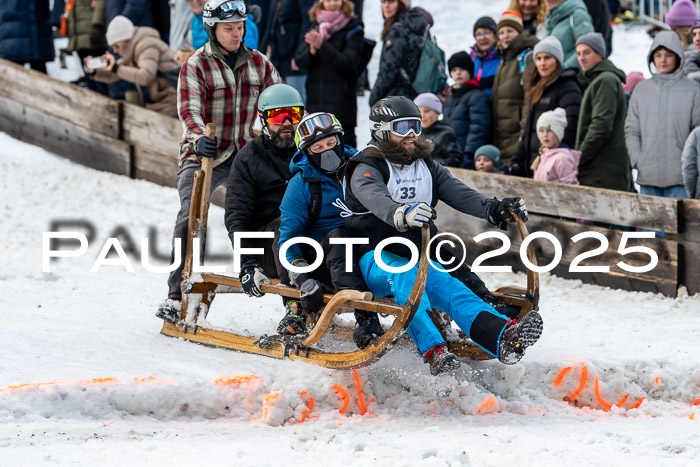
[
  {"x": 258, "y": 180},
  {"x": 391, "y": 190}
]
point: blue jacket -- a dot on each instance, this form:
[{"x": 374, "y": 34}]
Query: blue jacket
[
  {"x": 294, "y": 210},
  {"x": 138, "y": 11},
  {"x": 485, "y": 68},
  {"x": 252, "y": 34},
  {"x": 25, "y": 32}
]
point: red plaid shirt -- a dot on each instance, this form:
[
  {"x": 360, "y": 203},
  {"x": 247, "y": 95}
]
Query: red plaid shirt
[{"x": 209, "y": 91}]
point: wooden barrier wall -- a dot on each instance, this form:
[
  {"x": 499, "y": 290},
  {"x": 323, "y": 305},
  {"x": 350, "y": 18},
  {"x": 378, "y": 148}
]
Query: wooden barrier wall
[{"x": 109, "y": 135}]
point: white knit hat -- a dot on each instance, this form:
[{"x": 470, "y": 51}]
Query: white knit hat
[
  {"x": 554, "y": 120},
  {"x": 120, "y": 29}
]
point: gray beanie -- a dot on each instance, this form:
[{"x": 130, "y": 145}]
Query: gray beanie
[
  {"x": 430, "y": 101},
  {"x": 490, "y": 151},
  {"x": 552, "y": 46},
  {"x": 119, "y": 29},
  {"x": 595, "y": 41}
]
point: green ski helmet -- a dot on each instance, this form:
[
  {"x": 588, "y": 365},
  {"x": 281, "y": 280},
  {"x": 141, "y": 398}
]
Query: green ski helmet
[
  {"x": 315, "y": 127},
  {"x": 279, "y": 96}
]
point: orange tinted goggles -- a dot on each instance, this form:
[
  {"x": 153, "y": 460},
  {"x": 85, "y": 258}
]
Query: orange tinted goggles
[{"x": 279, "y": 116}]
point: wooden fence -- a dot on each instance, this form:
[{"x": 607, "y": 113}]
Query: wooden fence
[{"x": 113, "y": 136}]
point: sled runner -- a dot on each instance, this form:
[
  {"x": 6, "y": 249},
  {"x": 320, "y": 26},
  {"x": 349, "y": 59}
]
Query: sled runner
[{"x": 198, "y": 292}]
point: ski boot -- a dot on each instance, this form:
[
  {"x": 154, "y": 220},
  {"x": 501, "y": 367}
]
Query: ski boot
[
  {"x": 511, "y": 311},
  {"x": 368, "y": 329},
  {"x": 170, "y": 310},
  {"x": 440, "y": 360},
  {"x": 294, "y": 322},
  {"x": 518, "y": 336}
]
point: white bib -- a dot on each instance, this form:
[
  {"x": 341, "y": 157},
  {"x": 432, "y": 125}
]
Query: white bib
[{"x": 410, "y": 184}]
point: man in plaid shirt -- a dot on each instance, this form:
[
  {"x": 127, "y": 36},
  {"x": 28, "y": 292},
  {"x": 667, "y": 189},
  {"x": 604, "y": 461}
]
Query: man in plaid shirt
[{"x": 219, "y": 84}]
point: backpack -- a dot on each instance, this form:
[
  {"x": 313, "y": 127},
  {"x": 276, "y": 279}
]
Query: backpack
[
  {"x": 367, "y": 49},
  {"x": 431, "y": 75}
]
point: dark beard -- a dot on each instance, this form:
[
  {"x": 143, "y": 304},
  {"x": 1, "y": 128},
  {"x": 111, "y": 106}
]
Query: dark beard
[
  {"x": 279, "y": 142},
  {"x": 397, "y": 153}
]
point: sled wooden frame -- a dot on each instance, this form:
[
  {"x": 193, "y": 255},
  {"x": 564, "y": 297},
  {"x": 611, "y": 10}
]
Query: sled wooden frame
[{"x": 200, "y": 291}]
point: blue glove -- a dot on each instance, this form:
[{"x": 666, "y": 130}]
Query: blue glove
[{"x": 206, "y": 147}]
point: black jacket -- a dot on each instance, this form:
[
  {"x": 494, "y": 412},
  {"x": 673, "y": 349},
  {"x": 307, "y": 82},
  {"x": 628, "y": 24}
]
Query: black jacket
[
  {"x": 563, "y": 92},
  {"x": 447, "y": 151},
  {"x": 332, "y": 75},
  {"x": 256, "y": 185},
  {"x": 401, "y": 51},
  {"x": 469, "y": 111}
]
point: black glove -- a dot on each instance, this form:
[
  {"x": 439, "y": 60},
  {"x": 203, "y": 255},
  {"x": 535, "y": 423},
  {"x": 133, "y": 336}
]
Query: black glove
[
  {"x": 312, "y": 295},
  {"x": 515, "y": 169},
  {"x": 251, "y": 279},
  {"x": 206, "y": 147},
  {"x": 97, "y": 35},
  {"x": 497, "y": 212}
]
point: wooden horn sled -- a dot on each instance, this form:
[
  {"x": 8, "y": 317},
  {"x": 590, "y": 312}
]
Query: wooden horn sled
[{"x": 200, "y": 290}]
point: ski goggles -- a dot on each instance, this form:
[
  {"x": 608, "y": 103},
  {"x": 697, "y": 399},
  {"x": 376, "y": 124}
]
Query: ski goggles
[
  {"x": 279, "y": 116},
  {"x": 320, "y": 123},
  {"x": 402, "y": 126},
  {"x": 230, "y": 9}
]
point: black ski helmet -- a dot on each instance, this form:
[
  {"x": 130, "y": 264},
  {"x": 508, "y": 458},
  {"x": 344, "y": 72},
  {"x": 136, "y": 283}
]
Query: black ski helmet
[{"x": 388, "y": 109}]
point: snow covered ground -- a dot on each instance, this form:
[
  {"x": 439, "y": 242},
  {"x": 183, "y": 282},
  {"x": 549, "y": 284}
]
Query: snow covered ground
[{"x": 172, "y": 402}]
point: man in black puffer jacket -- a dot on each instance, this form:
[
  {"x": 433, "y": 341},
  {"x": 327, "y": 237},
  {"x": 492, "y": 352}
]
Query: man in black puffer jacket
[{"x": 257, "y": 182}]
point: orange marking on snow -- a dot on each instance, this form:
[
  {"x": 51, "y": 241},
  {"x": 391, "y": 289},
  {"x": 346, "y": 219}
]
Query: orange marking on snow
[
  {"x": 266, "y": 404},
  {"x": 622, "y": 401},
  {"x": 309, "y": 407},
  {"x": 360, "y": 398},
  {"x": 488, "y": 404},
  {"x": 231, "y": 380},
  {"x": 560, "y": 377},
  {"x": 638, "y": 403},
  {"x": 344, "y": 396},
  {"x": 692, "y": 416},
  {"x": 697, "y": 402},
  {"x": 596, "y": 391},
  {"x": 581, "y": 384},
  {"x": 657, "y": 380}
]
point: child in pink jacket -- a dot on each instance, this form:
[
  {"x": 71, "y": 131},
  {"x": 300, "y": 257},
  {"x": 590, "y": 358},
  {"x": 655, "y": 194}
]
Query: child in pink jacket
[{"x": 556, "y": 162}]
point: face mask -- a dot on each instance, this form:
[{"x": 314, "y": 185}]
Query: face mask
[{"x": 330, "y": 160}]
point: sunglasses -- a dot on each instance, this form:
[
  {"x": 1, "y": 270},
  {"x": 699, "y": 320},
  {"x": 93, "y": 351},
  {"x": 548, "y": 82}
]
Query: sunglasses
[
  {"x": 279, "y": 116},
  {"x": 312, "y": 126},
  {"x": 229, "y": 9},
  {"x": 403, "y": 126}
]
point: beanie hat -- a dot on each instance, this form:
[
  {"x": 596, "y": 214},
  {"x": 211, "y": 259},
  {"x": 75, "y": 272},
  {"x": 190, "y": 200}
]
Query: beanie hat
[
  {"x": 462, "y": 60},
  {"x": 120, "y": 29},
  {"x": 429, "y": 100},
  {"x": 633, "y": 79},
  {"x": 485, "y": 22},
  {"x": 513, "y": 19},
  {"x": 595, "y": 41},
  {"x": 552, "y": 46},
  {"x": 490, "y": 151},
  {"x": 682, "y": 13},
  {"x": 695, "y": 25},
  {"x": 554, "y": 120}
]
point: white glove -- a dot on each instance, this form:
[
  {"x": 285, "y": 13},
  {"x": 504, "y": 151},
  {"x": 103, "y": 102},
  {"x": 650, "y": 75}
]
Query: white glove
[{"x": 418, "y": 215}]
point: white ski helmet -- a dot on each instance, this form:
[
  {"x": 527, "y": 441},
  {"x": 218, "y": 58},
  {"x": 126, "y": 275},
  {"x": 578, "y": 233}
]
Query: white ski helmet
[{"x": 223, "y": 11}]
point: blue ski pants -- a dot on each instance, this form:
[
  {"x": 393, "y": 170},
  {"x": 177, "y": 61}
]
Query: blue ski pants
[{"x": 478, "y": 320}]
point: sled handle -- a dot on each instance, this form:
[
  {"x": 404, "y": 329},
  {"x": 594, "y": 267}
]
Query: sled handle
[{"x": 533, "y": 278}]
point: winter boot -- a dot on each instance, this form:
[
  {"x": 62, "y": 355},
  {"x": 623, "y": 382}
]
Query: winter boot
[
  {"x": 294, "y": 322},
  {"x": 511, "y": 311},
  {"x": 169, "y": 310},
  {"x": 440, "y": 360},
  {"x": 518, "y": 336},
  {"x": 368, "y": 329}
]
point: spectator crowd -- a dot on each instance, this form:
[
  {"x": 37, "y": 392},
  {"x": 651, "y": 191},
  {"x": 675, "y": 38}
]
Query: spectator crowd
[{"x": 534, "y": 96}]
